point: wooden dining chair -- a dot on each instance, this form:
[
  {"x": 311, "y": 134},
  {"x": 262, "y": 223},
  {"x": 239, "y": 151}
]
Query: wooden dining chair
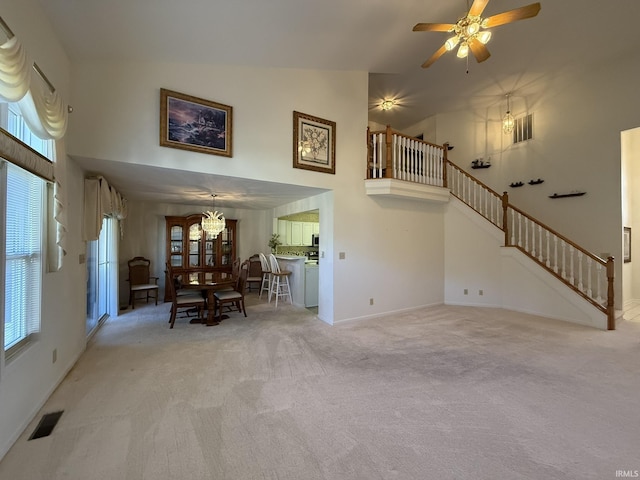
[
  {"x": 183, "y": 302},
  {"x": 141, "y": 281},
  {"x": 233, "y": 299}
]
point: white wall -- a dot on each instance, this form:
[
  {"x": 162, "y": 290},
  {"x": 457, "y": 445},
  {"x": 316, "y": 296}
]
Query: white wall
[
  {"x": 476, "y": 260},
  {"x": 391, "y": 247},
  {"x": 630, "y": 183},
  {"x": 28, "y": 380},
  {"x": 578, "y": 117}
]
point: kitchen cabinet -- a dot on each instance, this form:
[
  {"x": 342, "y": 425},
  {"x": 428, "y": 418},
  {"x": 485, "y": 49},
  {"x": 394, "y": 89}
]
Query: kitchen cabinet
[
  {"x": 284, "y": 231},
  {"x": 307, "y": 233},
  {"x": 296, "y": 233},
  {"x": 195, "y": 254}
]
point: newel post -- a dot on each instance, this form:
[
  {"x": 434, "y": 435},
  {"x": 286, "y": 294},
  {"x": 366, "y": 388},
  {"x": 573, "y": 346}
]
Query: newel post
[
  {"x": 369, "y": 154},
  {"x": 445, "y": 163},
  {"x": 505, "y": 218},
  {"x": 388, "y": 173},
  {"x": 611, "y": 313}
]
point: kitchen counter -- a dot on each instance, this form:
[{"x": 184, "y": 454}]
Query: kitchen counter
[{"x": 294, "y": 264}]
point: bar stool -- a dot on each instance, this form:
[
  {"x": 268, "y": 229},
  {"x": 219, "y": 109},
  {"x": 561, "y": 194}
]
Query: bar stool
[
  {"x": 279, "y": 281},
  {"x": 266, "y": 275}
]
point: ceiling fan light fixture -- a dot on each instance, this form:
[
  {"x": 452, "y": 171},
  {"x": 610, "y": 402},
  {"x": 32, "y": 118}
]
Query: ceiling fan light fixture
[
  {"x": 452, "y": 42},
  {"x": 484, "y": 37},
  {"x": 472, "y": 29},
  {"x": 463, "y": 51}
]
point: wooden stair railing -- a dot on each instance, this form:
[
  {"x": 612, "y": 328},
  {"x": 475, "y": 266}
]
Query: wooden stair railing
[
  {"x": 588, "y": 275},
  {"x": 391, "y": 154}
]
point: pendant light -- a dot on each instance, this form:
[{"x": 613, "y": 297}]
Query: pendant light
[
  {"x": 213, "y": 222},
  {"x": 508, "y": 122}
]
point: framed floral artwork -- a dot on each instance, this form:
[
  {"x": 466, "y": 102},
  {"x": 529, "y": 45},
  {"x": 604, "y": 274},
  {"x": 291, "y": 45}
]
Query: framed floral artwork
[
  {"x": 314, "y": 143},
  {"x": 195, "y": 124}
]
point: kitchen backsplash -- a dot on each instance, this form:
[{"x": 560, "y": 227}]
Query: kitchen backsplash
[{"x": 295, "y": 250}]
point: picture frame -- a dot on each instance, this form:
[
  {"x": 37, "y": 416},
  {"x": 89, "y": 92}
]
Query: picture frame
[
  {"x": 626, "y": 248},
  {"x": 314, "y": 143},
  {"x": 195, "y": 124}
]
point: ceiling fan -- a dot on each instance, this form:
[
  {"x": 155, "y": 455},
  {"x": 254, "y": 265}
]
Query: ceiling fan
[{"x": 471, "y": 31}]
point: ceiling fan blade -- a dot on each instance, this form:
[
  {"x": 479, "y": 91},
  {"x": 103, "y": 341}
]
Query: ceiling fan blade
[
  {"x": 479, "y": 50},
  {"x": 477, "y": 8},
  {"x": 521, "y": 13},
  {"x": 433, "y": 27},
  {"x": 441, "y": 51}
]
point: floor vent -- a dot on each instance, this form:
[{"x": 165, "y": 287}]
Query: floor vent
[{"x": 46, "y": 425}]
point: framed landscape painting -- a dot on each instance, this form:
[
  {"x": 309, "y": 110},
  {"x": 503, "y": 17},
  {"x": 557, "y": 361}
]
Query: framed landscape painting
[
  {"x": 195, "y": 124},
  {"x": 314, "y": 143}
]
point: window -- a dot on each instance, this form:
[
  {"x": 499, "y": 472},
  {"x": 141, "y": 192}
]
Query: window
[
  {"x": 12, "y": 121},
  {"x": 23, "y": 214},
  {"x": 523, "y": 130},
  {"x": 23, "y": 256}
]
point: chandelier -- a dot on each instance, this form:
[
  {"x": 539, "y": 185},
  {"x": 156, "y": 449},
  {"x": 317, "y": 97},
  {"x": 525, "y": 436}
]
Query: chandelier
[
  {"x": 508, "y": 122},
  {"x": 466, "y": 30},
  {"x": 213, "y": 222}
]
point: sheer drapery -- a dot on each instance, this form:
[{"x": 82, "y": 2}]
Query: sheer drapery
[
  {"x": 45, "y": 114},
  {"x": 100, "y": 200},
  {"x": 15, "y": 70}
]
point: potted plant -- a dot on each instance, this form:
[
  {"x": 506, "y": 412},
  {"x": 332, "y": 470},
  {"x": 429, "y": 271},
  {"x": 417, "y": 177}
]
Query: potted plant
[{"x": 274, "y": 242}]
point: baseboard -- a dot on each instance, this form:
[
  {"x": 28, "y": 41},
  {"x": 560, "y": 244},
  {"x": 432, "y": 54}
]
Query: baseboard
[{"x": 386, "y": 314}]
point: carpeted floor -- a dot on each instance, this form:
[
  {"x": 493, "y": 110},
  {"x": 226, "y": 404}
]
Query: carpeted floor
[{"x": 437, "y": 393}]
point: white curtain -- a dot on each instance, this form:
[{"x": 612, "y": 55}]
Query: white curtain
[
  {"x": 15, "y": 71},
  {"x": 100, "y": 200},
  {"x": 46, "y": 116}
]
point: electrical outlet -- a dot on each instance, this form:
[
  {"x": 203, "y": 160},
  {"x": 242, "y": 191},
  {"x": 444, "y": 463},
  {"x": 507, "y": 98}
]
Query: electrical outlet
[
  {"x": 480, "y": 292},
  {"x": 371, "y": 301},
  {"x": 342, "y": 255},
  {"x": 466, "y": 291}
]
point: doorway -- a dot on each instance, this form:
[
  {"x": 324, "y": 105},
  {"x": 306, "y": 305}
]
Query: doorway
[
  {"x": 630, "y": 173},
  {"x": 102, "y": 274}
]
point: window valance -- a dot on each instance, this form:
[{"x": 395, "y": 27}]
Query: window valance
[
  {"x": 42, "y": 108},
  {"x": 16, "y": 152},
  {"x": 100, "y": 200}
]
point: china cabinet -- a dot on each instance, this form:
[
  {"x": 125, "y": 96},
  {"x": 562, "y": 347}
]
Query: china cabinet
[{"x": 195, "y": 254}]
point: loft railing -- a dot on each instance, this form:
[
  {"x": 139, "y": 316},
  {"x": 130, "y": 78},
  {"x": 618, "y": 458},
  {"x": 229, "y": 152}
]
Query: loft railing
[{"x": 394, "y": 155}]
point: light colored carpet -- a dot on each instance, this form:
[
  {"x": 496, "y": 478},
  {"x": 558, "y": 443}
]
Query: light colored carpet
[{"x": 438, "y": 393}]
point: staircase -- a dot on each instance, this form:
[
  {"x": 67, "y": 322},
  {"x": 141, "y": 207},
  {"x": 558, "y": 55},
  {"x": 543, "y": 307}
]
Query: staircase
[{"x": 393, "y": 156}]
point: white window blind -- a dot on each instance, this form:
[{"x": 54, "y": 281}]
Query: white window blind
[{"x": 23, "y": 255}]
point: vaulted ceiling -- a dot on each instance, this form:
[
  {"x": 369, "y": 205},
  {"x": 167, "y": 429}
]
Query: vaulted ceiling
[{"x": 374, "y": 36}]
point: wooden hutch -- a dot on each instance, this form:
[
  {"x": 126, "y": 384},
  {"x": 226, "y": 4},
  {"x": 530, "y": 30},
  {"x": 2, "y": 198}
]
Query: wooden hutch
[{"x": 195, "y": 254}]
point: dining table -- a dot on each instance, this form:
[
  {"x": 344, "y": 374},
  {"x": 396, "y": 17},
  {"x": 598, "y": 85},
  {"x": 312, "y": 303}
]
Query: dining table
[{"x": 220, "y": 281}]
